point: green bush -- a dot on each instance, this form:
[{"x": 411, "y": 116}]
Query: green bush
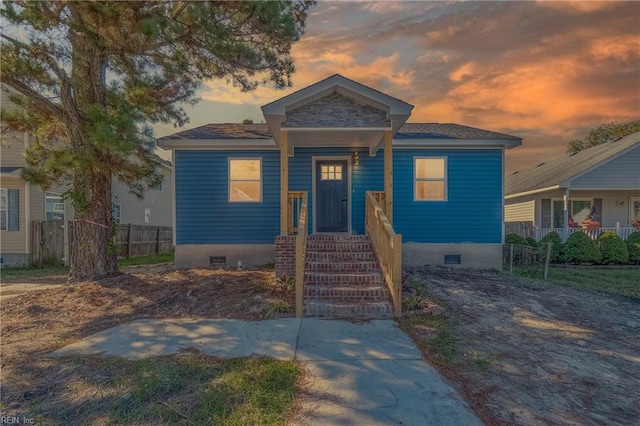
[
  {"x": 580, "y": 248},
  {"x": 556, "y": 245},
  {"x": 532, "y": 242},
  {"x": 633, "y": 247},
  {"x": 613, "y": 248},
  {"x": 515, "y": 239}
]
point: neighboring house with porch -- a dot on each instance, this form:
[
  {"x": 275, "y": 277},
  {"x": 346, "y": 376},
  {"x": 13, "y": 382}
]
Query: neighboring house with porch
[
  {"x": 561, "y": 192},
  {"x": 338, "y": 161},
  {"x": 21, "y": 203}
]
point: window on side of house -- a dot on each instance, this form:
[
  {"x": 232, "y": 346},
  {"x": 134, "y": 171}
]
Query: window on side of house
[
  {"x": 9, "y": 209},
  {"x": 54, "y": 206},
  {"x": 4, "y": 209},
  {"x": 116, "y": 212},
  {"x": 578, "y": 211},
  {"x": 147, "y": 215},
  {"x": 430, "y": 178},
  {"x": 245, "y": 180}
]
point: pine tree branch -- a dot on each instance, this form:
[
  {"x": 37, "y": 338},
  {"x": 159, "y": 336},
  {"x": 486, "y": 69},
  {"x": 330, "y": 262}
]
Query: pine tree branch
[{"x": 34, "y": 96}]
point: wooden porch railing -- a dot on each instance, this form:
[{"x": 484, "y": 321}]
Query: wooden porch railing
[
  {"x": 301, "y": 250},
  {"x": 388, "y": 248},
  {"x": 294, "y": 205},
  {"x": 380, "y": 197}
]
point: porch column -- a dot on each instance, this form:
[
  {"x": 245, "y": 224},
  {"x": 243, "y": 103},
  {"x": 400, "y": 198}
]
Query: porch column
[
  {"x": 284, "y": 181},
  {"x": 565, "y": 204},
  {"x": 388, "y": 176}
]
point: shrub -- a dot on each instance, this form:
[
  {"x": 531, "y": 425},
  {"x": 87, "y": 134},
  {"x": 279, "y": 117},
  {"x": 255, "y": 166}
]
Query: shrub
[
  {"x": 613, "y": 248},
  {"x": 633, "y": 247},
  {"x": 515, "y": 239},
  {"x": 580, "y": 248},
  {"x": 556, "y": 245},
  {"x": 532, "y": 242}
]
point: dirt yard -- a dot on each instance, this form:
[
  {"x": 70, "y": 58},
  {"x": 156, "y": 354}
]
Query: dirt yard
[
  {"x": 530, "y": 353},
  {"x": 38, "y": 322}
]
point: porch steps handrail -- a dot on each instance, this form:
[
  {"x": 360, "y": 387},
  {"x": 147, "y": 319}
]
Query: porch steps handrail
[
  {"x": 301, "y": 249},
  {"x": 387, "y": 246}
]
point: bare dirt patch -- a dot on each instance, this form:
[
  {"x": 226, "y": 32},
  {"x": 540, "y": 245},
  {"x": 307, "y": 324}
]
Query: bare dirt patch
[
  {"x": 531, "y": 353},
  {"x": 36, "y": 323}
]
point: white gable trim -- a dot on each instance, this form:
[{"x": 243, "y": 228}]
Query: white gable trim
[{"x": 567, "y": 183}]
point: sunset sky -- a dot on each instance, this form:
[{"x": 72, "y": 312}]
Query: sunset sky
[{"x": 543, "y": 71}]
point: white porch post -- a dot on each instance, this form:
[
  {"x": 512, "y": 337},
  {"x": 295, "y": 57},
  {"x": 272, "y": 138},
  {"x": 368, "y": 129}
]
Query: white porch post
[
  {"x": 388, "y": 175},
  {"x": 284, "y": 182},
  {"x": 565, "y": 202}
]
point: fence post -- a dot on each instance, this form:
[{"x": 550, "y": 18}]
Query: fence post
[
  {"x": 510, "y": 259},
  {"x": 158, "y": 241},
  {"x": 546, "y": 261},
  {"x": 129, "y": 240}
]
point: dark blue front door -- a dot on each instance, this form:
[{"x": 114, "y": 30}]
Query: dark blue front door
[{"x": 332, "y": 196}]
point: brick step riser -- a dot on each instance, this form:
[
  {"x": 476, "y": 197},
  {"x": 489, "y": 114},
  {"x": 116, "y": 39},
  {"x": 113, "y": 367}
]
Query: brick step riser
[
  {"x": 361, "y": 310},
  {"x": 338, "y": 238},
  {"x": 356, "y": 280},
  {"x": 342, "y": 248},
  {"x": 355, "y": 293},
  {"x": 353, "y": 267},
  {"x": 341, "y": 257}
]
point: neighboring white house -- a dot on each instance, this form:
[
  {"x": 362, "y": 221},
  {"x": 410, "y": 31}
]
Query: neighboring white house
[
  {"x": 556, "y": 193},
  {"x": 21, "y": 203}
]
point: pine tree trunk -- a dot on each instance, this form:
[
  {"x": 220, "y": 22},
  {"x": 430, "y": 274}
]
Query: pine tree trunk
[{"x": 93, "y": 255}]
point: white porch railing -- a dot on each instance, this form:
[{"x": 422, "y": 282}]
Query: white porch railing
[{"x": 623, "y": 233}]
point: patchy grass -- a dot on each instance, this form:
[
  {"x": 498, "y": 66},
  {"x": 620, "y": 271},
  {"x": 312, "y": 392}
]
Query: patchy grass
[
  {"x": 146, "y": 260},
  {"x": 182, "y": 389},
  {"x": 19, "y": 272},
  {"x": 13, "y": 273},
  {"x": 434, "y": 335},
  {"x": 625, "y": 282},
  {"x": 40, "y": 322}
]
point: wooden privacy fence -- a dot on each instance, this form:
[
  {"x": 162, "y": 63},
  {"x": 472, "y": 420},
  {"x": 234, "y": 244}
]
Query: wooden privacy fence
[
  {"x": 143, "y": 240},
  {"x": 48, "y": 241}
]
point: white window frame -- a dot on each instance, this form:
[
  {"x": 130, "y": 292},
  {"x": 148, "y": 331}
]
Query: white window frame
[
  {"x": 5, "y": 192},
  {"x": 116, "y": 219},
  {"x": 147, "y": 215},
  {"x": 229, "y": 160},
  {"x": 571, "y": 200},
  {"x": 631, "y": 201},
  {"x": 444, "y": 179}
]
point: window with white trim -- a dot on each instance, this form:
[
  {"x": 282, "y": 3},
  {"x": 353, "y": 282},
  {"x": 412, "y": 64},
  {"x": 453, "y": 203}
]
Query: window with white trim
[
  {"x": 116, "y": 213},
  {"x": 245, "y": 180},
  {"x": 4, "y": 209},
  {"x": 579, "y": 209},
  {"x": 147, "y": 215},
  {"x": 54, "y": 206},
  {"x": 430, "y": 178}
]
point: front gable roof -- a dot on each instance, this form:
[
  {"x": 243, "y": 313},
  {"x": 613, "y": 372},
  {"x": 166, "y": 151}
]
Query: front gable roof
[
  {"x": 342, "y": 85},
  {"x": 559, "y": 172}
]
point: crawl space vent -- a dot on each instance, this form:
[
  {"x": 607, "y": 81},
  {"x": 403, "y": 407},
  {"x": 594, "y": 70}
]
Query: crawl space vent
[{"x": 452, "y": 259}]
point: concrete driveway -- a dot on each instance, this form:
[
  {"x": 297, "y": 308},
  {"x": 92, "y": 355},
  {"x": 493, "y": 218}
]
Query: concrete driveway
[{"x": 368, "y": 373}]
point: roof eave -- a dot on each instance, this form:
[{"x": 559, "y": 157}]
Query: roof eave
[{"x": 446, "y": 142}]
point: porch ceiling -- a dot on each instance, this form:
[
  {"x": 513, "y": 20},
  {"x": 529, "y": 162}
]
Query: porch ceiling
[{"x": 351, "y": 138}]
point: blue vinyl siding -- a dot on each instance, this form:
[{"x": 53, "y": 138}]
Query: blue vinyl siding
[
  {"x": 473, "y": 210},
  {"x": 203, "y": 213},
  {"x": 366, "y": 176}
]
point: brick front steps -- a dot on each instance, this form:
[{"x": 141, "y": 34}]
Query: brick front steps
[{"x": 343, "y": 279}]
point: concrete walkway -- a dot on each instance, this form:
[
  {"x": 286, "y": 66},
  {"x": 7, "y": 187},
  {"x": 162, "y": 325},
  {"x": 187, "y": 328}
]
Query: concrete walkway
[{"x": 360, "y": 374}]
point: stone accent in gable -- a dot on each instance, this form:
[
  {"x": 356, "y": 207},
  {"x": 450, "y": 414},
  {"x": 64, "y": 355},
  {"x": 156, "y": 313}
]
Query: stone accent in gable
[{"x": 336, "y": 110}]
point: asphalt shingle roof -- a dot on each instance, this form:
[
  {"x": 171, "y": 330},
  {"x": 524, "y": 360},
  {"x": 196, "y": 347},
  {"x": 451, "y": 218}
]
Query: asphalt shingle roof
[
  {"x": 563, "y": 168},
  {"x": 407, "y": 131}
]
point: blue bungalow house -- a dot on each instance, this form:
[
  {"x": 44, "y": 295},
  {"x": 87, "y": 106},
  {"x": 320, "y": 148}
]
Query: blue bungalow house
[{"x": 336, "y": 168}]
